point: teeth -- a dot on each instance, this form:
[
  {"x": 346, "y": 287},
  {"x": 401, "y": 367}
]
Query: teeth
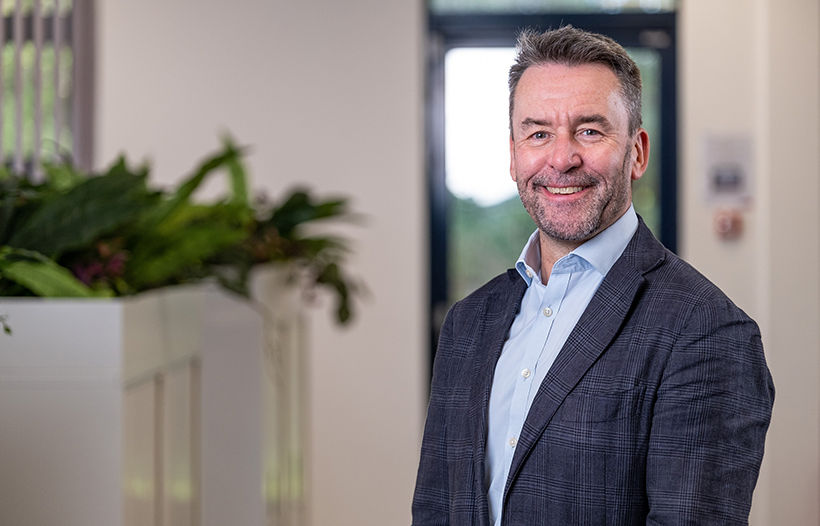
[{"x": 565, "y": 190}]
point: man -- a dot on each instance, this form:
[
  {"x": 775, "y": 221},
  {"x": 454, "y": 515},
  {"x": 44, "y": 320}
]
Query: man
[{"x": 603, "y": 380}]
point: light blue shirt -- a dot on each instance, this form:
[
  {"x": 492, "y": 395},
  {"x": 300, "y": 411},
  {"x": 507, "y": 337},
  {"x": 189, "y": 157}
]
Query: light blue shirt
[{"x": 547, "y": 316}]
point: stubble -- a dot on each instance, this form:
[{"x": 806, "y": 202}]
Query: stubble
[{"x": 579, "y": 221}]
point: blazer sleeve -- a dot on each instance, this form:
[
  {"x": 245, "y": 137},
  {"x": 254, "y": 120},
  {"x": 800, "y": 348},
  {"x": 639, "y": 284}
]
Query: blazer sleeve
[
  {"x": 432, "y": 496},
  {"x": 710, "y": 419}
]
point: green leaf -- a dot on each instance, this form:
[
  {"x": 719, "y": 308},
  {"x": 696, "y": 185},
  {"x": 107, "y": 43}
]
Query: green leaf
[
  {"x": 168, "y": 207},
  {"x": 77, "y": 218},
  {"x": 62, "y": 176},
  {"x": 238, "y": 174},
  {"x": 160, "y": 260},
  {"x": 46, "y": 280},
  {"x": 188, "y": 214},
  {"x": 300, "y": 207},
  {"x": 331, "y": 276},
  {"x": 41, "y": 275},
  {"x": 8, "y": 197}
]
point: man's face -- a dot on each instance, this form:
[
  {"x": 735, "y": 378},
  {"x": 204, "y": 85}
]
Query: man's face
[{"x": 571, "y": 152}]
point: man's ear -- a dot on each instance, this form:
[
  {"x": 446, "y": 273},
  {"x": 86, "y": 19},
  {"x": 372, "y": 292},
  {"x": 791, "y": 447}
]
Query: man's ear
[
  {"x": 512, "y": 158},
  {"x": 640, "y": 154}
]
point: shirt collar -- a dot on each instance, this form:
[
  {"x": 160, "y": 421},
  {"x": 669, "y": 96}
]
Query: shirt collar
[
  {"x": 529, "y": 262},
  {"x": 601, "y": 251}
]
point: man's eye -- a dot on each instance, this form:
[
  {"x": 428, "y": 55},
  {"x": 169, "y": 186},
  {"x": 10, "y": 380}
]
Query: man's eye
[
  {"x": 590, "y": 133},
  {"x": 539, "y": 135}
]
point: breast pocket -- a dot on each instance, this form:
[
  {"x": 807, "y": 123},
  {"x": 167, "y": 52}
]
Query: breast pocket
[{"x": 591, "y": 406}]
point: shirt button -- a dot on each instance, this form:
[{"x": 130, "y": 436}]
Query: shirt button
[
  {"x": 547, "y": 312},
  {"x": 529, "y": 273},
  {"x": 513, "y": 442},
  {"x": 526, "y": 373}
]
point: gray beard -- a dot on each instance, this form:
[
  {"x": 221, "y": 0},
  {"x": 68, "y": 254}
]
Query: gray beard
[{"x": 589, "y": 215}]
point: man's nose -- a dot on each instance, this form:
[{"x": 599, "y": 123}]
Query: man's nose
[{"x": 565, "y": 153}]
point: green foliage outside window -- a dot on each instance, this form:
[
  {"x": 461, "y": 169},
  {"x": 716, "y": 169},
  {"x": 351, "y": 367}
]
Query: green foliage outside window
[
  {"x": 484, "y": 241},
  {"x": 51, "y": 146},
  {"x": 27, "y": 6}
]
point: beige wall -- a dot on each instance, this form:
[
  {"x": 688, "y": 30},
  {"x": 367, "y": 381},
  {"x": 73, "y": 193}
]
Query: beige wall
[
  {"x": 753, "y": 67},
  {"x": 329, "y": 94}
]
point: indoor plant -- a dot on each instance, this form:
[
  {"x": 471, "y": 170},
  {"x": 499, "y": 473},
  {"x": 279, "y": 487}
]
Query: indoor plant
[{"x": 110, "y": 234}]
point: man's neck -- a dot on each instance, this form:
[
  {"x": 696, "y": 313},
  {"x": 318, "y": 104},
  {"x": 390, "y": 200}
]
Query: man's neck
[{"x": 552, "y": 250}]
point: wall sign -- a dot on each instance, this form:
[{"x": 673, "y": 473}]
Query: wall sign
[{"x": 728, "y": 163}]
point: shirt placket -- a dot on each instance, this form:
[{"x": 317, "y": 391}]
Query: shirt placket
[{"x": 551, "y": 298}]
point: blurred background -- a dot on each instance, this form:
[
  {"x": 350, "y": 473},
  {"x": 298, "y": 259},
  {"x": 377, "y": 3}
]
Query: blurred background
[{"x": 400, "y": 106}]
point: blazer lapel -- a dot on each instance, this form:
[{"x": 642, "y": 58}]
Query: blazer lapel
[
  {"x": 593, "y": 333},
  {"x": 496, "y": 317}
]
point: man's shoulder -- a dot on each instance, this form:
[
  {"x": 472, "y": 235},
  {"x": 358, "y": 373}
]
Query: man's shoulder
[
  {"x": 676, "y": 273},
  {"x": 496, "y": 294},
  {"x": 670, "y": 281},
  {"x": 510, "y": 282}
]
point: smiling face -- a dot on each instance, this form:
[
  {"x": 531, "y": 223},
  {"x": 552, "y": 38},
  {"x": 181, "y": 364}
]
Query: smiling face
[{"x": 572, "y": 155}]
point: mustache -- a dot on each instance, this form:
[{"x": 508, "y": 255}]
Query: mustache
[{"x": 564, "y": 179}]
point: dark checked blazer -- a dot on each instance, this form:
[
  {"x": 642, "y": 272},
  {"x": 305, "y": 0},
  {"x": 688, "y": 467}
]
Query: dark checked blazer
[{"x": 654, "y": 412}]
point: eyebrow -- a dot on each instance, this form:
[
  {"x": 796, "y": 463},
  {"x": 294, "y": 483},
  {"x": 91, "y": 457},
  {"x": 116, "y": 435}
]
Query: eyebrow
[
  {"x": 595, "y": 118},
  {"x": 529, "y": 121}
]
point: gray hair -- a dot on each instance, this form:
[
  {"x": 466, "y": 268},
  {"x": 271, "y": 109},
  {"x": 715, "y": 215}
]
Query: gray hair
[{"x": 569, "y": 46}]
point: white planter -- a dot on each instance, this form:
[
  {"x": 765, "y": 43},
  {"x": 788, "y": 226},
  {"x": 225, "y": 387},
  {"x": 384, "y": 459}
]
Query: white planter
[
  {"x": 286, "y": 404},
  {"x": 194, "y": 405},
  {"x": 162, "y": 409},
  {"x": 61, "y": 413}
]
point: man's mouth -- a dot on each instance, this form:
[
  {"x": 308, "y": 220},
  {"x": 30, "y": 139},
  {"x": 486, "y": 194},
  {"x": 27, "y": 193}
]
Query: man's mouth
[{"x": 564, "y": 190}]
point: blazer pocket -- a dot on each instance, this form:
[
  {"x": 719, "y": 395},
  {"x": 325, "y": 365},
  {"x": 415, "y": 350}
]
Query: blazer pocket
[{"x": 601, "y": 406}]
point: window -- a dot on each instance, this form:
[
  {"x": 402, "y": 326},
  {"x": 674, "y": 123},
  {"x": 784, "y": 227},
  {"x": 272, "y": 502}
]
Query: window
[{"x": 45, "y": 103}]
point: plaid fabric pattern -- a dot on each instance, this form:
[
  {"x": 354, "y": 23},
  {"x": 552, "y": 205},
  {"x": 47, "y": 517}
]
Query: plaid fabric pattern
[{"x": 654, "y": 412}]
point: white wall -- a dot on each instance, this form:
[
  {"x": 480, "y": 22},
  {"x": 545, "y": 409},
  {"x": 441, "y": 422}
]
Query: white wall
[
  {"x": 329, "y": 94},
  {"x": 753, "y": 67}
]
